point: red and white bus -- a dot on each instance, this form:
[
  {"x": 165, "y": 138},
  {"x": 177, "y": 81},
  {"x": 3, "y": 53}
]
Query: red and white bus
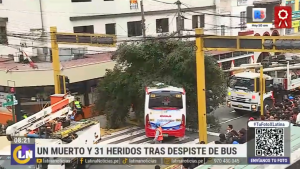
[{"x": 165, "y": 105}]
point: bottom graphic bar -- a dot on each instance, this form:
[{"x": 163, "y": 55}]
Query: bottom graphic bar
[{"x": 269, "y": 160}]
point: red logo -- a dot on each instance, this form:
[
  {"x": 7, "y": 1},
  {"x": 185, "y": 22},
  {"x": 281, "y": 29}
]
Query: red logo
[
  {"x": 165, "y": 116},
  {"x": 283, "y": 17}
]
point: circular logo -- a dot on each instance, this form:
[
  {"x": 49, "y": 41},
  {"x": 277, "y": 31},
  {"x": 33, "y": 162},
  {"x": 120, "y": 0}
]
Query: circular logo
[{"x": 24, "y": 151}]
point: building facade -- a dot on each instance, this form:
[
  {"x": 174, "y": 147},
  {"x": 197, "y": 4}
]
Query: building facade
[
  {"x": 295, "y": 16},
  {"x": 25, "y": 33},
  {"x": 236, "y": 22},
  {"x": 118, "y": 17}
]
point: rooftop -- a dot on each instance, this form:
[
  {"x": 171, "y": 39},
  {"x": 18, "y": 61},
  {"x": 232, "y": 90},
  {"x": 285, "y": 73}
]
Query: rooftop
[{"x": 10, "y": 65}]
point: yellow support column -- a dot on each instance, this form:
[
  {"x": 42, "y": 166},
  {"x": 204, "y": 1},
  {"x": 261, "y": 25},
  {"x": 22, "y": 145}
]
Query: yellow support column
[
  {"x": 55, "y": 59},
  {"x": 201, "y": 87},
  {"x": 296, "y": 8},
  {"x": 261, "y": 79}
]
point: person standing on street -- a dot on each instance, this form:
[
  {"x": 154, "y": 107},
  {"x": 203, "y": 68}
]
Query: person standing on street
[
  {"x": 78, "y": 107},
  {"x": 158, "y": 134}
]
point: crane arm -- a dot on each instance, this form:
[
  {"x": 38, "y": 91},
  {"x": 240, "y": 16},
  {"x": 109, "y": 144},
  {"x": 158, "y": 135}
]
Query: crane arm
[{"x": 36, "y": 120}]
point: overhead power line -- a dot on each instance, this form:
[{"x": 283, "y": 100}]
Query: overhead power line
[{"x": 164, "y": 2}]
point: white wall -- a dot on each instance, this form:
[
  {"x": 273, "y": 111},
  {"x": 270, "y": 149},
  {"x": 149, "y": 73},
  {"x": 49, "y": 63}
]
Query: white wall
[
  {"x": 230, "y": 8},
  {"x": 37, "y": 77},
  {"x": 26, "y": 15},
  {"x": 22, "y": 15}
]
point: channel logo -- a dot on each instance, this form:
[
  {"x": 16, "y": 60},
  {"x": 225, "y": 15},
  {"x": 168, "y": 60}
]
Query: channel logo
[
  {"x": 23, "y": 154},
  {"x": 259, "y": 14}
]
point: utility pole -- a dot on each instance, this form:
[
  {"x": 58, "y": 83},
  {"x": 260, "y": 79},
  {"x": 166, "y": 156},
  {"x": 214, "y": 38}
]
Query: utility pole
[
  {"x": 143, "y": 19},
  {"x": 179, "y": 18}
]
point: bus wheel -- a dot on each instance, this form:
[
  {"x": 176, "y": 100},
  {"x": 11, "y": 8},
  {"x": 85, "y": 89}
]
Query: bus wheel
[{"x": 267, "y": 105}]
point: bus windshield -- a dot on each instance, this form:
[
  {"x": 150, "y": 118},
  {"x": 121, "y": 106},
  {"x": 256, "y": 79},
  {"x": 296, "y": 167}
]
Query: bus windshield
[
  {"x": 242, "y": 83},
  {"x": 165, "y": 100}
]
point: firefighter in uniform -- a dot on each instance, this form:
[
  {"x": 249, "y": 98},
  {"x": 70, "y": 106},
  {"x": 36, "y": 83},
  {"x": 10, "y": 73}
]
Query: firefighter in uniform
[
  {"x": 78, "y": 107},
  {"x": 158, "y": 134},
  {"x": 24, "y": 114}
]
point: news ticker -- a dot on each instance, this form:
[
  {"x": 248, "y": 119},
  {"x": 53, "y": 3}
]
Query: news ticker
[
  {"x": 144, "y": 161},
  {"x": 137, "y": 161}
]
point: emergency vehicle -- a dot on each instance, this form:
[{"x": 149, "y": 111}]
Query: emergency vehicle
[
  {"x": 280, "y": 81},
  {"x": 165, "y": 105},
  {"x": 52, "y": 125}
]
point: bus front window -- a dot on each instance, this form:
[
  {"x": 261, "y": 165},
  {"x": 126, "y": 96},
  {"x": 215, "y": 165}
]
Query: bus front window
[
  {"x": 242, "y": 83},
  {"x": 165, "y": 100}
]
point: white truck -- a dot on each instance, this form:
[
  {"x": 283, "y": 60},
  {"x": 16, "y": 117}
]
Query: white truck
[
  {"x": 75, "y": 133},
  {"x": 280, "y": 80}
]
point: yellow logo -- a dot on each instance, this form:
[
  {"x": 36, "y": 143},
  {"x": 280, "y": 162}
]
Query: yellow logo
[
  {"x": 167, "y": 161},
  {"x": 39, "y": 161},
  {"x": 81, "y": 160},
  {"x": 125, "y": 161},
  {"x": 28, "y": 155}
]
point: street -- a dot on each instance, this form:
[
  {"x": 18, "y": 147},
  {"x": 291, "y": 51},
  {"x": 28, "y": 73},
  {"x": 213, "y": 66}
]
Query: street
[
  {"x": 136, "y": 135},
  {"x": 228, "y": 116}
]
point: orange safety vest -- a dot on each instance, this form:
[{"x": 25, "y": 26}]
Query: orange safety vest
[{"x": 160, "y": 136}]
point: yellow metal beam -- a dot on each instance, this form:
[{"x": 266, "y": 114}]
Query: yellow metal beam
[
  {"x": 234, "y": 43},
  {"x": 255, "y": 37},
  {"x": 261, "y": 79},
  {"x": 55, "y": 59},
  {"x": 253, "y": 50},
  {"x": 100, "y": 40},
  {"x": 201, "y": 93}
]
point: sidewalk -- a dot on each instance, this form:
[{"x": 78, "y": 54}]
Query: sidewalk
[{"x": 103, "y": 122}]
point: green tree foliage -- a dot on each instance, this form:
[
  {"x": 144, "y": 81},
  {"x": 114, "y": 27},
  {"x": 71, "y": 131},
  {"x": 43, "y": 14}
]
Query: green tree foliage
[{"x": 139, "y": 64}]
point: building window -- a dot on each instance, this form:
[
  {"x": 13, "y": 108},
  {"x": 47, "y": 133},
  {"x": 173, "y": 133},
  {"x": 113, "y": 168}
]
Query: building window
[
  {"x": 162, "y": 25},
  {"x": 134, "y": 28},
  {"x": 110, "y": 28},
  {"x": 134, "y": 4},
  {"x": 81, "y": 0},
  {"x": 222, "y": 30},
  {"x": 84, "y": 29},
  {"x": 243, "y": 20},
  {"x": 3, "y": 36},
  {"x": 198, "y": 21},
  {"x": 182, "y": 23}
]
